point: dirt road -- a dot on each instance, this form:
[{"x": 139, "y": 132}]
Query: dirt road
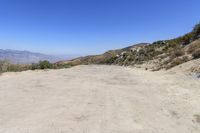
[{"x": 99, "y": 99}]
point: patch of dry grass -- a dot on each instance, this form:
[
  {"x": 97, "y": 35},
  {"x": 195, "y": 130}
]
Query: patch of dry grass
[{"x": 197, "y": 117}]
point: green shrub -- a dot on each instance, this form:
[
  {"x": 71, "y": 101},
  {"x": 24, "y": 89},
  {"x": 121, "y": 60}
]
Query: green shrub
[
  {"x": 196, "y": 31},
  {"x": 61, "y": 65},
  {"x": 186, "y": 39},
  {"x": 178, "y": 53},
  {"x": 196, "y": 54},
  {"x": 34, "y": 66},
  {"x": 176, "y": 62},
  {"x": 193, "y": 47},
  {"x": 42, "y": 65},
  {"x": 14, "y": 68},
  {"x": 4, "y": 66},
  {"x": 45, "y": 65},
  {"x": 185, "y": 58}
]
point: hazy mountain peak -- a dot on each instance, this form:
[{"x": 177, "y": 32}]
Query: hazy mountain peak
[{"x": 25, "y": 57}]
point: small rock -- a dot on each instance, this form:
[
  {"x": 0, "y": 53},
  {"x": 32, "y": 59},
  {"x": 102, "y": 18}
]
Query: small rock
[{"x": 196, "y": 75}]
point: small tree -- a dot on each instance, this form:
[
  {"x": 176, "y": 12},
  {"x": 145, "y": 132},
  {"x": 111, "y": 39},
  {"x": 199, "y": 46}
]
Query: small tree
[
  {"x": 45, "y": 65},
  {"x": 4, "y": 64},
  {"x": 196, "y": 31}
]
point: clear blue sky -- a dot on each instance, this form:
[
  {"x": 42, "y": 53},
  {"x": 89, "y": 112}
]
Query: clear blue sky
[{"x": 92, "y": 26}]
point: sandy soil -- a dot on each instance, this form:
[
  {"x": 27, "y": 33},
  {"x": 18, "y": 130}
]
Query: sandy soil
[{"x": 99, "y": 99}]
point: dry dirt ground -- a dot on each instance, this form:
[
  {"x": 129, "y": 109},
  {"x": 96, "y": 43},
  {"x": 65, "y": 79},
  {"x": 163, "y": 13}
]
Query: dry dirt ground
[{"x": 99, "y": 99}]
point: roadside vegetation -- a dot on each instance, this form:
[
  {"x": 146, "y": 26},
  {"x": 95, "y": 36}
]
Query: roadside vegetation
[
  {"x": 165, "y": 53},
  {"x": 5, "y": 66}
]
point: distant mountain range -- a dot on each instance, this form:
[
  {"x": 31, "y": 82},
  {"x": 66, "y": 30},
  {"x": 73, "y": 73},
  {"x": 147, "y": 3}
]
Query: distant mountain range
[{"x": 25, "y": 57}]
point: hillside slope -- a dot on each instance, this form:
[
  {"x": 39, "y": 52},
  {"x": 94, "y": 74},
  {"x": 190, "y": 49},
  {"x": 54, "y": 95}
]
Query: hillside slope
[{"x": 163, "y": 54}]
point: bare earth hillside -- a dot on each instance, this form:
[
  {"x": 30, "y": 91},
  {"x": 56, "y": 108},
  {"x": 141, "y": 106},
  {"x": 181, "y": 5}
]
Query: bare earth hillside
[
  {"x": 99, "y": 99},
  {"x": 159, "y": 55}
]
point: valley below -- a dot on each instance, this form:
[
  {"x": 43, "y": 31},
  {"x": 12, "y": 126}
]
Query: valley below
[{"x": 99, "y": 99}]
